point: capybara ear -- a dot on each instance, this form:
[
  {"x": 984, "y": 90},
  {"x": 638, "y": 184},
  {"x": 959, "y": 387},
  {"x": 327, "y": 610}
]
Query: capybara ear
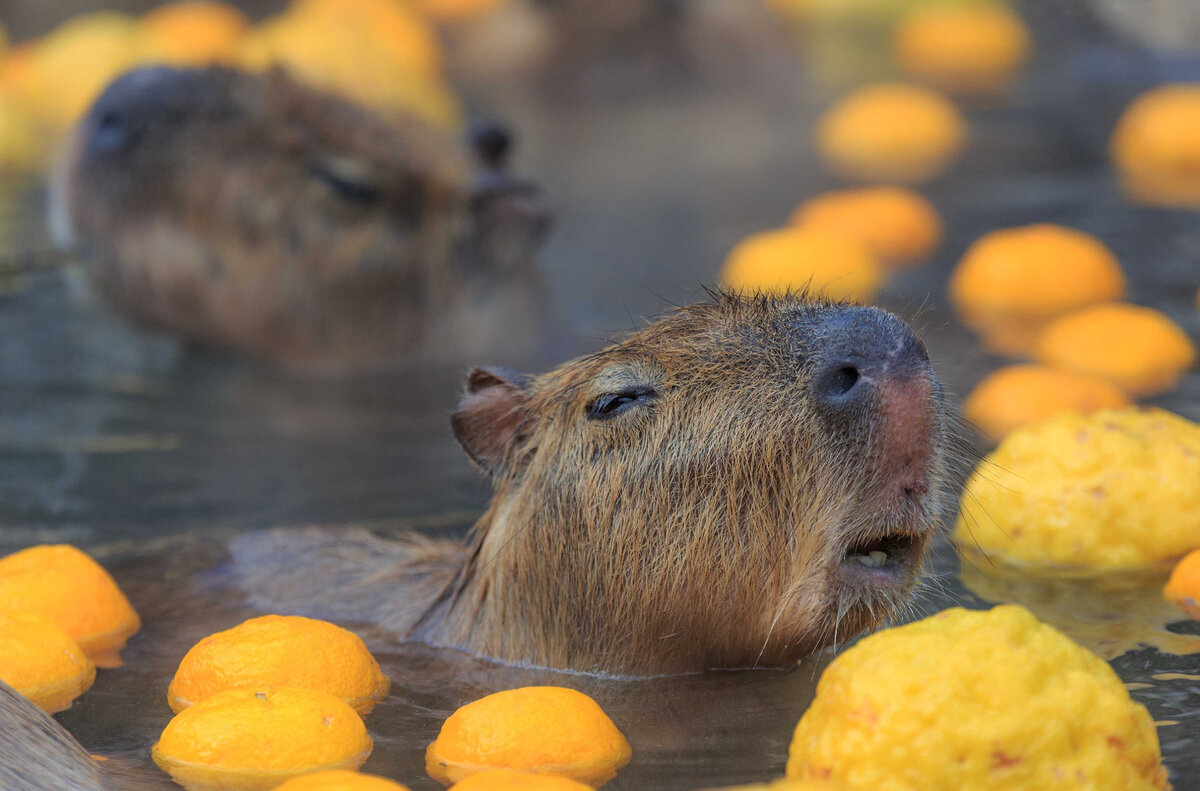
[{"x": 490, "y": 420}]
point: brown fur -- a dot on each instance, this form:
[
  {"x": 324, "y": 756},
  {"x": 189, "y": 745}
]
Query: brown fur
[
  {"x": 225, "y": 224},
  {"x": 705, "y": 528}
]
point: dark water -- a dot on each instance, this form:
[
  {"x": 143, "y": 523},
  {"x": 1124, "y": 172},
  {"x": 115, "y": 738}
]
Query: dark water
[{"x": 149, "y": 455}]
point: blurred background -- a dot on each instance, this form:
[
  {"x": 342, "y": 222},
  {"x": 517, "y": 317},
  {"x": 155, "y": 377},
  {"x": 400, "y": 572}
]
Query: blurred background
[{"x": 662, "y": 135}]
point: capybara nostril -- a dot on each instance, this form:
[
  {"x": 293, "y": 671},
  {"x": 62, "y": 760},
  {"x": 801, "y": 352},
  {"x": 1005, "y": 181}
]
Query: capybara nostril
[
  {"x": 492, "y": 143},
  {"x": 860, "y": 351},
  {"x": 837, "y": 384}
]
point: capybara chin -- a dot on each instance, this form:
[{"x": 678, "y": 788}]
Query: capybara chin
[
  {"x": 255, "y": 213},
  {"x": 737, "y": 484}
]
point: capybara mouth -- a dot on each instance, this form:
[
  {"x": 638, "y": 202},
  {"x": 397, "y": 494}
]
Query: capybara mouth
[{"x": 883, "y": 563}]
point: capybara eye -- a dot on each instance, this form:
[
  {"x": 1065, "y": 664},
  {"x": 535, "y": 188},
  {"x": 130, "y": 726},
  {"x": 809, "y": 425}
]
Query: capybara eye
[
  {"x": 612, "y": 404},
  {"x": 348, "y": 181}
]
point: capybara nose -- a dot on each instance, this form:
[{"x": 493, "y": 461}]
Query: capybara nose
[
  {"x": 135, "y": 102},
  {"x": 861, "y": 352},
  {"x": 491, "y": 142}
]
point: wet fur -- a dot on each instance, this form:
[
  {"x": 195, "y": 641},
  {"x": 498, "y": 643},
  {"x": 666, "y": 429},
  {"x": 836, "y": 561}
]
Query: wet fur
[
  {"x": 225, "y": 225},
  {"x": 703, "y": 530}
]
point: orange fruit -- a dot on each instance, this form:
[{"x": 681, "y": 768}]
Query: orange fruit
[
  {"x": 192, "y": 32},
  {"x": 966, "y": 47},
  {"x": 340, "y": 780},
  {"x": 73, "y": 63},
  {"x": 66, "y": 586},
  {"x": 1022, "y": 394},
  {"x": 1183, "y": 587},
  {"x": 891, "y": 132},
  {"x": 543, "y": 730},
  {"x": 507, "y": 780},
  {"x": 897, "y": 225},
  {"x": 21, "y": 144},
  {"x": 378, "y": 52},
  {"x": 798, "y": 258},
  {"x": 1156, "y": 146},
  {"x": 280, "y": 650},
  {"x": 1138, "y": 349},
  {"x": 41, "y": 662},
  {"x": 1011, "y": 283},
  {"x": 255, "y": 739}
]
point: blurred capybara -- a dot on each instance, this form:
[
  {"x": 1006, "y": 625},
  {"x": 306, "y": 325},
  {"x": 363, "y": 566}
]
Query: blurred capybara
[
  {"x": 737, "y": 484},
  {"x": 258, "y": 214}
]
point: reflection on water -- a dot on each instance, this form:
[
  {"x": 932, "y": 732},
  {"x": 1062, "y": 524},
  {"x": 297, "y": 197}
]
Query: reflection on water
[
  {"x": 1112, "y": 614},
  {"x": 118, "y": 441}
]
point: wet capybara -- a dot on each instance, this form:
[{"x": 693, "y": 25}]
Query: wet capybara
[
  {"x": 258, "y": 214},
  {"x": 735, "y": 485},
  {"x": 738, "y": 484}
]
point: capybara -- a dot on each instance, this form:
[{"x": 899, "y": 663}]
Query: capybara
[
  {"x": 258, "y": 214},
  {"x": 738, "y": 484},
  {"x": 735, "y": 485}
]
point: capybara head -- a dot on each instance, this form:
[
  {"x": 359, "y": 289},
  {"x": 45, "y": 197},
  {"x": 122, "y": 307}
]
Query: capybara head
[
  {"x": 257, "y": 213},
  {"x": 736, "y": 484}
]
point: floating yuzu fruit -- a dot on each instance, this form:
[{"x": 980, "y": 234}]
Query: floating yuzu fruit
[
  {"x": 973, "y": 47},
  {"x": 193, "y": 32},
  {"x": 506, "y": 780},
  {"x": 64, "y": 585},
  {"x": 255, "y": 739},
  {"x": 1183, "y": 587},
  {"x": 1018, "y": 395},
  {"x": 897, "y": 225},
  {"x": 1115, "y": 490},
  {"x": 280, "y": 650},
  {"x": 1011, "y": 283},
  {"x": 799, "y": 258},
  {"x": 1138, "y": 349},
  {"x": 992, "y": 700},
  {"x": 543, "y": 730},
  {"x": 891, "y": 132},
  {"x": 1156, "y": 146},
  {"x": 40, "y": 661},
  {"x": 340, "y": 780}
]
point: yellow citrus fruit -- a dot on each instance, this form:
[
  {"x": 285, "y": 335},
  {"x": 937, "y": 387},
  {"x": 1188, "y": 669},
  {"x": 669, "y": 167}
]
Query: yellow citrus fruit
[
  {"x": 798, "y": 258},
  {"x": 280, "y": 650},
  {"x": 897, "y": 225},
  {"x": 1117, "y": 489},
  {"x": 1019, "y": 395},
  {"x": 340, "y": 780},
  {"x": 40, "y": 661},
  {"x": 1012, "y": 282},
  {"x": 192, "y": 32},
  {"x": 1183, "y": 587},
  {"x": 507, "y": 780},
  {"x": 377, "y": 53},
  {"x": 891, "y": 132},
  {"x": 966, "y": 47},
  {"x": 66, "y": 586},
  {"x": 255, "y": 739},
  {"x": 1138, "y": 349},
  {"x": 20, "y": 138},
  {"x": 978, "y": 700},
  {"x": 543, "y": 730},
  {"x": 16, "y": 75},
  {"x": 1156, "y": 146},
  {"x": 73, "y": 63}
]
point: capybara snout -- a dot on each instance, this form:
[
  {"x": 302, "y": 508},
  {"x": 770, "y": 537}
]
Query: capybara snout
[{"x": 258, "y": 214}]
